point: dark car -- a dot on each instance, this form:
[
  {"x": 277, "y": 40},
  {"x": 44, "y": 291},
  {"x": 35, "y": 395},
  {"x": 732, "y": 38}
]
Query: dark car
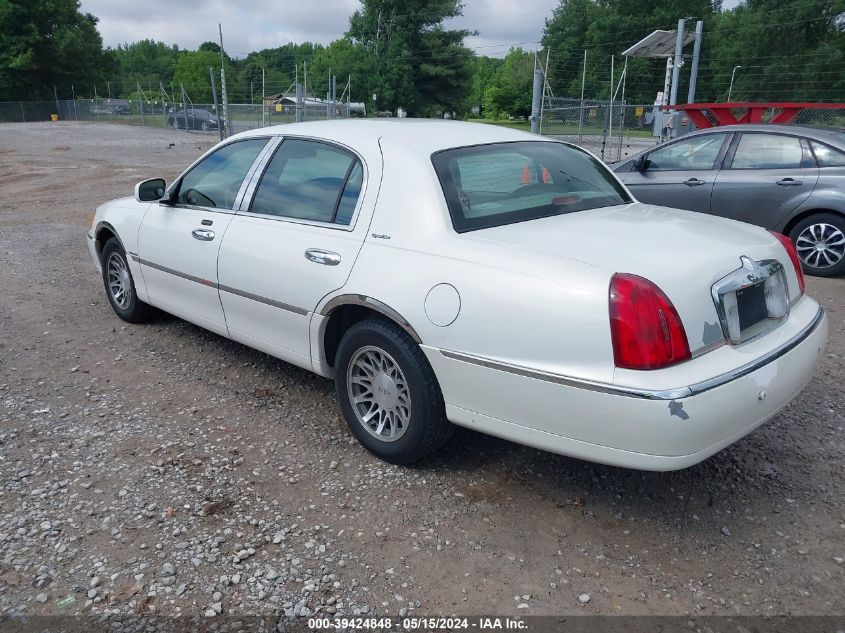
[
  {"x": 197, "y": 119},
  {"x": 787, "y": 178}
]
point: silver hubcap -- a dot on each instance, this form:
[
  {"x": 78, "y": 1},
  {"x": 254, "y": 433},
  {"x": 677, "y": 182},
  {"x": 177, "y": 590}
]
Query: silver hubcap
[
  {"x": 379, "y": 393},
  {"x": 120, "y": 285},
  {"x": 821, "y": 245}
]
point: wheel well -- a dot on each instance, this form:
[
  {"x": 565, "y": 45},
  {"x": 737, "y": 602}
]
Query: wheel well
[
  {"x": 103, "y": 235},
  {"x": 340, "y": 320},
  {"x": 805, "y": 214}
]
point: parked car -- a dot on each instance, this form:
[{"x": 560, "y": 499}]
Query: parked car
[
  {"x": 198, "y": 119},
  {"x": 783, "y": 177},
  {"x": 454, "y": 273}
]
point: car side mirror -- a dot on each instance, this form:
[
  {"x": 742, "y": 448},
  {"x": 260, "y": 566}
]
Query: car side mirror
[
  {"x": 641, "y": 164},
  {"x": 150, "y": 190}
]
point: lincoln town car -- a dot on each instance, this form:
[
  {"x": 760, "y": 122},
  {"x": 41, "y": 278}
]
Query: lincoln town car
[{"x": 446, "y": 273}]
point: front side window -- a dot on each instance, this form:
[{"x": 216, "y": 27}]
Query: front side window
[
  {"x": 826, "y": 156},
  {"x": 309, "y": 180},
  {"x": 503, "y": 183},
  {"x": 768, "y": 151},
  {"x": 698, "y": 152},
  {"x": 215, "y": 181}
]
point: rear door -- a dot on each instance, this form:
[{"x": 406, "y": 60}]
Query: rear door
[
  {"x": 294, "y": 241},
  {"x": 680, "y": 174},
  {"x": 766, "y": 177}
]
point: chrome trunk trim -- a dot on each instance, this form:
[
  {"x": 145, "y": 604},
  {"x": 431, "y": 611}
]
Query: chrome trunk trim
[{"x": 647, "y": 394}]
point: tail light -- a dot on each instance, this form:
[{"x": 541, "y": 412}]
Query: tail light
[
  {"x": 645, "y": 328},
  {"x": 793, "y": 255}
]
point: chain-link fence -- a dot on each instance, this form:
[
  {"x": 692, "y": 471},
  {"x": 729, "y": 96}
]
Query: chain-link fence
[
  {"x": 612, "y": 131},
  {"x": 191, "y": 117}
]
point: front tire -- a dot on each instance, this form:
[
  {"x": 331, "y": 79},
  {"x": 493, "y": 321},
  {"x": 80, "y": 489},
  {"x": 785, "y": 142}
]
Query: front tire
[
  {"x": 820, "y": 242},
  {"x": 120, "y": 286},
  {"x": 389, "y": 394}
]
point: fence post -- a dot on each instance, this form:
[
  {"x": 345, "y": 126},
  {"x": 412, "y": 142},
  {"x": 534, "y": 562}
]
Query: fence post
[
  {"x": 583, "y": 82},
  {"x": 216, "y": 105},
  {"x": 298, "y": 118},
  {"x": 536, "y": 100},
  {"x": 140, "y": 102}
]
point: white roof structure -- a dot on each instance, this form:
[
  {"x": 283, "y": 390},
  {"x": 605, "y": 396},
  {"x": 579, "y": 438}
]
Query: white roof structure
[{"x": 660, "y": 44}]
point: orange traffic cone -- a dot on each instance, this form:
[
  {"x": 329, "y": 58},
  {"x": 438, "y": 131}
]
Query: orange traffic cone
[
  {"x": 547, "y": 177},
  {"x": 526, "y": 175}
]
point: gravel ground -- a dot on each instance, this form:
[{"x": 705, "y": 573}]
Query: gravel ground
[{"x": 164, "y": 469}]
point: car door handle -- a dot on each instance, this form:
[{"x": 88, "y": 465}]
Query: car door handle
[
  {"x": 318, "y": 255},
  {"x": 788, "y": 182},
  {"x": 693, "y": 182},
  {"x": 203, "y": 234}
]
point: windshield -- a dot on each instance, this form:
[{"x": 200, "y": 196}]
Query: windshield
[{"x": 504, "y": 183}]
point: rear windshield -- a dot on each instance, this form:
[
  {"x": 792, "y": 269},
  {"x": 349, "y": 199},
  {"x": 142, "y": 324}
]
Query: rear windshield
[{"x": 504, "y": 183}]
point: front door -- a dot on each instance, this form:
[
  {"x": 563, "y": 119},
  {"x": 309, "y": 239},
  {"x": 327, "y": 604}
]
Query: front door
[
  {"x": 767, "y": 177},
  {"x": 178, "y": 243},
  {"x": 680, "y": 174},
  {"x": 293, "y": 244}
]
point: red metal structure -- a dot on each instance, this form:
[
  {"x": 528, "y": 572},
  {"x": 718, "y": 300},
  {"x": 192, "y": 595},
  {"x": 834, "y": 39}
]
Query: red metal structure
[{"x": 721, "y": 112}]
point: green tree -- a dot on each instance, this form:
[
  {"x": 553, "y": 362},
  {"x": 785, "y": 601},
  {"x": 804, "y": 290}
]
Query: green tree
[
  {"x": 192, "y": 73},
  {"x": 146, "y": 62},
  {"x": 49, "y": 42},
  {"x": 510, "y": 90},
  {"x": 416, "y": 62}
]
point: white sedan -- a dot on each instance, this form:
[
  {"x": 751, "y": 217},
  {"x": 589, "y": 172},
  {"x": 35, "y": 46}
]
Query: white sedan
[{"x": 452, "y": 273}]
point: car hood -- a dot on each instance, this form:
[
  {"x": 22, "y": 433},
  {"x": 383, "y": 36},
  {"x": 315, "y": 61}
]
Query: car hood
[{"x": 683, "y": 252}]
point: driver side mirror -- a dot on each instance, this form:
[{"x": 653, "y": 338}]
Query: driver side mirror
[
  {"x": 150, "y": 190},
  {"x": 641, "y": 164}
]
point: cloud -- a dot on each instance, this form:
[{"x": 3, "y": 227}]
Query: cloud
[{"x": 250, "y": 25}]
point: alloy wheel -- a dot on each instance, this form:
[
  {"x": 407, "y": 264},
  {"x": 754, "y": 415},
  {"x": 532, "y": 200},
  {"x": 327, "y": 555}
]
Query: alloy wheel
[
  {"x": 120, "y": 284},
  {"x": 379, "y": 393},
  {"x": 821, "y": 245}
]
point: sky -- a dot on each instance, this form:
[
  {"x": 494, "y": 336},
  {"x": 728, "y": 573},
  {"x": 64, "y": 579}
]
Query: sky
[{"x": 250, "y": 25}]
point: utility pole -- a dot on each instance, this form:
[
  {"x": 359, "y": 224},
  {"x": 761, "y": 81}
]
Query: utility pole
[
  {"x": 56, "y": 97},
  {"x": 263, "y": 108},
  {"x": 223, "y": 84},
  {"x": 108, "y": 87},
  {"x": 583, "y": 82},
  {"x": 696, "y": 53},
  {"x": 679, "y": 61}
]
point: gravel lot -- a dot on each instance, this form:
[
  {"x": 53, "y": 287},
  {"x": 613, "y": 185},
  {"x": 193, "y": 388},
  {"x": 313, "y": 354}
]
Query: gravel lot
[{"x": 164, "y": 469}]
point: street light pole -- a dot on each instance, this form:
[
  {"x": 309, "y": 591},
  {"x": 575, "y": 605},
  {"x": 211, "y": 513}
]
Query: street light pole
[{"x": 730, "y": 89}]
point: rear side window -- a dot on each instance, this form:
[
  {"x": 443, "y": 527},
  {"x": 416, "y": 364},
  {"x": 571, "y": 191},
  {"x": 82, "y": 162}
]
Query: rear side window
[
  {"x": 826, "y": 156},
  {"x": 502, "y": 183},
  {"x": 768, "y": 151},
  {"x": 216, "y": 179},
  {"x": 309, "y": 180}
]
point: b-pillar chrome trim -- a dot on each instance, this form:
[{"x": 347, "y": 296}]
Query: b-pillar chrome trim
[{"x": 647, "y": 394}]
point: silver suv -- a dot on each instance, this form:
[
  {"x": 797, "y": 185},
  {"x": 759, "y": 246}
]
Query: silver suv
[{"x": 783, "y": 177}]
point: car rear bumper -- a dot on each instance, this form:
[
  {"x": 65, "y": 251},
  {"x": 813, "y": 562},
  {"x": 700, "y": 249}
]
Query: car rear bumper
[{"x": 649, "y": 429}]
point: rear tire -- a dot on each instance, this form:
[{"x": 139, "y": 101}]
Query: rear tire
[
  {"x": 820, "y": 242},
  {"x": 389, "y": 394},
  {"x": 120, "y": 286}
]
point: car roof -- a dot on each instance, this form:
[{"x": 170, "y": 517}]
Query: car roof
[
  {"x": 426, "y": 135},
  {"x": 829, "y": 135}
]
